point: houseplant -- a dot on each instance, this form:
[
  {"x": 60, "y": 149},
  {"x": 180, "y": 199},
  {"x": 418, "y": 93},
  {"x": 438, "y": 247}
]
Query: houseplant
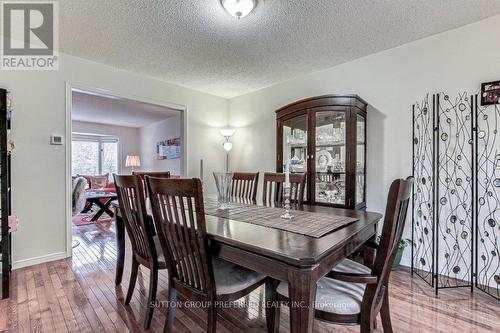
[{"x": 401, "y": 247}]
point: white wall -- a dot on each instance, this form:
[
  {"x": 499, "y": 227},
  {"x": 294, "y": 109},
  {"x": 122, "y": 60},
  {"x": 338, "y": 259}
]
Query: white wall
[
  {"x": 391, "y": 81},
  {"x": 129, "y": 140},
  {"x": 169, "y": 128},
  {"x": 38, "y": 169}
]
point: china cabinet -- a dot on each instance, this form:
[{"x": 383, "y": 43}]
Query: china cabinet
[{"x": 325, "y": 137}]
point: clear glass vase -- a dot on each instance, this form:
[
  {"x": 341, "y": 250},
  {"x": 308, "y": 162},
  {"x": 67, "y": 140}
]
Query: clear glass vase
[{"x": 223, "y": 182}]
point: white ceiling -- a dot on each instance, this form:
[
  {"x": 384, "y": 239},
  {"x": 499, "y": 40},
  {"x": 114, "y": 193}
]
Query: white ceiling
[
  {"x": 195, "y": 43},
  {"x": 109, "y": 110}
]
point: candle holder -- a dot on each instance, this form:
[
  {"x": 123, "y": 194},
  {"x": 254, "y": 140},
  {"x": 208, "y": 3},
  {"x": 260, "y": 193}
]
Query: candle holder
[{"x": 286, "y": 195}]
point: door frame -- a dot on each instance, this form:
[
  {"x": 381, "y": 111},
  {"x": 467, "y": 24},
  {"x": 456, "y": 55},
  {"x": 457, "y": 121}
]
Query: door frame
[{"x": 70, "y": 87}]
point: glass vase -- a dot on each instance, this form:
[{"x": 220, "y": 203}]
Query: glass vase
[{"x": 223, "y": 181}]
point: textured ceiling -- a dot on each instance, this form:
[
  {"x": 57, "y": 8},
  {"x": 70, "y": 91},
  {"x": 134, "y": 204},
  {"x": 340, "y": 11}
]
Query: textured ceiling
[
  {"x": 195, "y": 43},
  {"x": 102, "y": 109}
]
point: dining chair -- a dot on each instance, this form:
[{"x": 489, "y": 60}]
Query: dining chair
[
  {"x": 146, "y": 247},
  {"x": 273, "y": 189},
  {"x": 157, "y": 174},
  {"x": 143, "y": 174},
  {"x": 179, "y": 212},
  {"x": 244, "y": 186},
  {"x": 353, "y": 293}
]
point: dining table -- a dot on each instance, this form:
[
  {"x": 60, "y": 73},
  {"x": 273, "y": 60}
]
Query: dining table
[{"x": 299, "y": 259}]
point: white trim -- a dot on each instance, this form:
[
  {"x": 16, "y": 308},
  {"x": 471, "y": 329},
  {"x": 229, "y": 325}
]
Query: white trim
[
  {"x": 69, "y": 88},
  {"x": 38, "y": 260},
  {"x": 69, "y": 183},
  {"x": 94, "y": 137}
]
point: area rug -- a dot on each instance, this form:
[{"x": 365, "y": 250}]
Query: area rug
[{"x": 85, "y": 218}]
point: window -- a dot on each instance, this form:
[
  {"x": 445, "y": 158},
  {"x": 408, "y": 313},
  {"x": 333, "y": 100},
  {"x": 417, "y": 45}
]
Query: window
[{"x": 94, "y": 155}]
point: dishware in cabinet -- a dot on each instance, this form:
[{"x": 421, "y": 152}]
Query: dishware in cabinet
[{"x": 325, "y": 137}]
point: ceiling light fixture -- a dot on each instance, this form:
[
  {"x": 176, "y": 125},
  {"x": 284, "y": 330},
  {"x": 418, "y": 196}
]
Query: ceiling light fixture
[{"x": 238, "y": 8}]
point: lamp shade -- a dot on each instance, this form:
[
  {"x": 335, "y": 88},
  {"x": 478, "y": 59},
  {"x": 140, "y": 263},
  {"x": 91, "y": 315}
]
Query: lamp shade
[
  {"x": 133, "y": 161},
  {"x": 227, "y": 131}
]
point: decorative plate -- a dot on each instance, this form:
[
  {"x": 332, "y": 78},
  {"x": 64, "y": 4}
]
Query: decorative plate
[{"x": 323, "y": 159}]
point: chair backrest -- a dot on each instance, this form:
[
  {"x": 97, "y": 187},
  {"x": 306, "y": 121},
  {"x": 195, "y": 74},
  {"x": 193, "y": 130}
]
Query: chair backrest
[
  {"x": 273, "y": 189},
  {"x": 130, "y": 192},
  {"x": 244, "y": 185},
  {"x": 392, "y": 231},
  {"x": 179, "y": 214},
  {"x": 156, "y": 174}
]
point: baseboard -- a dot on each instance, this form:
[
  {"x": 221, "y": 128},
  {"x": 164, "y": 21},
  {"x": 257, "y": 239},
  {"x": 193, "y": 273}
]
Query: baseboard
[{"x": 38, "y": 260}]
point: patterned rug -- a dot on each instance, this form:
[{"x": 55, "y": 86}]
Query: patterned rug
[{"x": 85, "y": 218}]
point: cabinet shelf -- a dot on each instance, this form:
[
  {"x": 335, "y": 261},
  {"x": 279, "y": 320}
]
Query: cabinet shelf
[
  {"x": 298, "y": 145},
  {"x": 331, "y": 173},
  {"x": 331, "y": 144}
]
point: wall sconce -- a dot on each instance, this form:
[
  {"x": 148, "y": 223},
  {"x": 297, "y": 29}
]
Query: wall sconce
[{"x": 227, "y": 132}]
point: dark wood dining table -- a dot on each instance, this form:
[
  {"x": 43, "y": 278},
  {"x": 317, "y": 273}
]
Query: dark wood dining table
[{"x": 286, "y": 256}]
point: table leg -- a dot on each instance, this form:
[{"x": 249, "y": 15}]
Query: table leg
[
  {"x": 302, "y": 294},
  {"x": 88, "y": 206},
  {"x": 120, "y": 247},
  {"x": 103, "y": 208},
  {"x": 369, "y": 253}
]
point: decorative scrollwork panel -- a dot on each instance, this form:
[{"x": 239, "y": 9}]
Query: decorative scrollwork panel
[
  {"x": 454, "y": 191},
  {"x": 423, "y": 193},
  {"x": 488, "y": 200}
]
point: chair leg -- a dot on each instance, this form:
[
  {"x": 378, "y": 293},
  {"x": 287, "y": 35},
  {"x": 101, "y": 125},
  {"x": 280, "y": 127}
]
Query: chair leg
[
  {"x": 367, "y": 327},
  {"x": 172, "y": 299},
  {"x": 153, "y": 285},
  {"x": 272, "y": 307},
  {"x": 385, "y": 313},
  {"x": 367, "y": 319},
  {"x": 212, "y": 320},
  {"x": 133, "y": 279}
]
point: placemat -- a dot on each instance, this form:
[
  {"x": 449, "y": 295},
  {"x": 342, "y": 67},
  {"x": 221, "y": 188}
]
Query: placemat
[{"x": 306, "y": 223}]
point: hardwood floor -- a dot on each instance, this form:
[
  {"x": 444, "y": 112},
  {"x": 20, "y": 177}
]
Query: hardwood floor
[{"x": 79, "y": 295}]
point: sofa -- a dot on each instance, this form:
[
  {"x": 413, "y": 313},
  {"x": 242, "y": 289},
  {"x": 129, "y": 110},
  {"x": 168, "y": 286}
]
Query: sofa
[{"x": 108, "y": 188}]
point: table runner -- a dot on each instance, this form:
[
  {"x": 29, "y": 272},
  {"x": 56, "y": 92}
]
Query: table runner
[{"x": 305, "y": 223}]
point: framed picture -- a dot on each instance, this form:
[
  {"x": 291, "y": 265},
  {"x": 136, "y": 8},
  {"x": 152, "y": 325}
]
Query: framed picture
[
  {"x": 169, "y": 149},
  {"x": 490, "y": 93}
]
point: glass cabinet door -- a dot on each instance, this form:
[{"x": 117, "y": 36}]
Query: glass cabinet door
[
  {"x": 360, "y": 158},
  {"x": 330, "y": 163},
  {"x": 295, "y": 143}
]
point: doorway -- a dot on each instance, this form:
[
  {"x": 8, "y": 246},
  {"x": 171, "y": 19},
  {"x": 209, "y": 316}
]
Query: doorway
[{"x": 105, "y": 133}]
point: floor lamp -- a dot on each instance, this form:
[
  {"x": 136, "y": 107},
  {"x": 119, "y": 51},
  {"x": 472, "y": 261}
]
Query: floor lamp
[{"x": 227, "y": 133}]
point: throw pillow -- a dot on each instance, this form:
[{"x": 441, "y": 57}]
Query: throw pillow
[{"x": 98, "y": 182}]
